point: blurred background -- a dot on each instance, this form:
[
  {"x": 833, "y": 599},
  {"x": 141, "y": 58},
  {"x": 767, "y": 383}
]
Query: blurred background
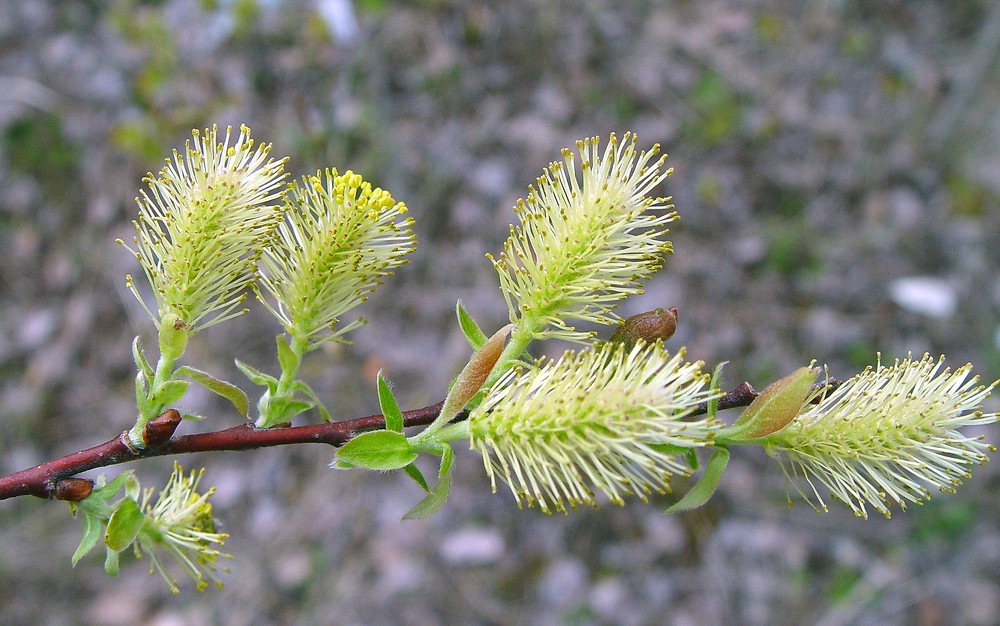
[{"x": 837, "y": 173}]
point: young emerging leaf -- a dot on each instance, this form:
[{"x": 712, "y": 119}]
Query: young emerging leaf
[
  {"x": 414, "y": 472},
  {"x": 376, "y": 450},
  {"x": 124, "y": 525},
  {"x": 433, "y": 501},
  {"x": 171, "y": 391},
  {"x": 713, "y": 402},
  {"x": 309, "y": 393},
  {"x": 91, "y": 533},
  {"x": 705, "y": 487},
  {"x": 775, "y": 407},
  {"x": 437, "y": 496},
  {"x": 229, "y": 391},
  {"x": 111, "y": 562},
  {"x": 141, "y": 363},
  {"x": 473, "y": 334},
  {"x": 256, "y": 376},
  {"x": 286, "y": 358},
  {"x": 390, "y": 408},
  {"x": 104, "y": 492}
]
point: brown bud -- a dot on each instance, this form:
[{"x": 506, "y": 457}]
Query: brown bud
[
  {"x": 475, "y": 373},
  {"x": 650, "y": 326},
  {"x": 73, "y": 489},
  {"x": 161, "y": 428}
]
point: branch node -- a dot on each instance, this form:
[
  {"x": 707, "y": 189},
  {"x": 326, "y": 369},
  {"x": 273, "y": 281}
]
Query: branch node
[{"x": 123, "y": 438}]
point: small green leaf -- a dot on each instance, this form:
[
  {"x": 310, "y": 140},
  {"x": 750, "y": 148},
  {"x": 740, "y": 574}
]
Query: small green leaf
[
  {"x": 229, "y": 391},
  {"x": 256, "y": 376},
  {"x": 706, "y": 485},
  {"x": 142, "y": 394},
  {"x": 307, "y": 390},
  {"x": 139, "y": 357},
  {"x": 686, "y": 451},
  {"x": 124, "y": 525},
  {"x": 447, "y": 457},
  {"x": 286, "y": 358},
  {"x": 390, "y": 408},
  {"x": 91, "y": 533},
  {"x": 171, "y": 391},
  {"x": 433, "y": 501},
  {"x": 279, "y": 410},
  {"x": 106, "y": 491},
  {"x": 111, "y": 562},
  {"x": 132, "y": 487},
  {"x": 713, "y": 403},
  {"x": 377, "y": 450},
  {"x": 414, "y": 472},
  {"x": 473, "y": 334}
]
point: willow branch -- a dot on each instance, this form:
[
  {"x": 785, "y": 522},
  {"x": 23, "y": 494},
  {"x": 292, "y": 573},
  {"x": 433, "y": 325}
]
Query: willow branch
[{"x": 54, "y": 479}]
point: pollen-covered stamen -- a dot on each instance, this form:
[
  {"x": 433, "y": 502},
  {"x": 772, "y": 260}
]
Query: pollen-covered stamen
[
  {"x": 180, "y": 523},
  {"x": 339, "y": 240},
  {"x": 585, "y": 240},
  {"x": 886, "y": 435},
  {"x": 595, "y": 420},
  {"x": 202, "y": 223}
]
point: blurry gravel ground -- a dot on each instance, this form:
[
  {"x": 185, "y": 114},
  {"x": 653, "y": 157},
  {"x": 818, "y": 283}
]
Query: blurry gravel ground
[{"x": 837, "y": 173}]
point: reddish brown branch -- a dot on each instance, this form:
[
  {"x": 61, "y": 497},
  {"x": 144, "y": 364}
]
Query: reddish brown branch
[
  {"x": 44, "y": 480},
  {"x": 53, "y": 478}
]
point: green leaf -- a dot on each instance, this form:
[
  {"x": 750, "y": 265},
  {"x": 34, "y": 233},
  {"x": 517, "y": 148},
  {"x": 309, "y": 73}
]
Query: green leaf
[
  {"x": 229, "y": 391},
  {"x": 142, "y": 394},
  {"x": 287, "y": 359},
  {"x": 390, "y": 408},
  {"x": 91, "y": 533},
  {"x": 414, "y": 472},
  {"x": 705, "y": 487},
  {"x": 377, "y": 450},
  {"x": 447, "y": 457},
  {"x": 307, "y": 390},
  {"x": 139, "y": 357},
  {"x": 124, "y": 525},
  {"x": 433, "y": 501},
  {"x": 686, "y": 451},
  {"x": 473, "y": 334},
  {"x": 279, "y": 410},
  {"x": 106, "y": 491},
  {"x": 713, "y": 404},
  {"x": 111, "y": 562},
  {"x": 170, "y": 391},
  {"x": 132, "y": 487},
  {"x": 256, "y": 376}
]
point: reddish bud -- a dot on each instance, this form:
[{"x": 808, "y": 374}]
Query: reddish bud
[
  {"x": 161, "y": 428},
  {"x": 73, "y": 489},
  {"x": 651, "y": 326}
]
